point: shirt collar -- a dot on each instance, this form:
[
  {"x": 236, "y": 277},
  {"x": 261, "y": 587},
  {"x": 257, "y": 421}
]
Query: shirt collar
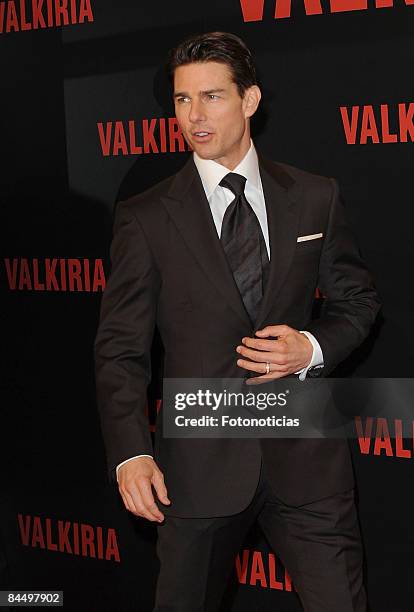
[{"x": 212, "y": 172}]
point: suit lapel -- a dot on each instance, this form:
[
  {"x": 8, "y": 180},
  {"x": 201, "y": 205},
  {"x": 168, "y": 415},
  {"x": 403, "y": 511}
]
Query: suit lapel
[
  {"x": 188, "y": 206},
  {"x": 281, "y": 193}
]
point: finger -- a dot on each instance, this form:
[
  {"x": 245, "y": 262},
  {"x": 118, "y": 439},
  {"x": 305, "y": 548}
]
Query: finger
[
  {"x": 160, "y": 488},
  {"x": 252, "y": 366},
  {"x": 141, "y": 509},
  {"x": 146, "y": 514},
  {"x": 128, "y": 501},
  {"x": 259, "y": 380},
  {"x": 134, "y": 502},
  {"x": 261, "y": 344},
  {"x": 277, "y": 358},
  {"x": 254, "y": 355},
  {"x": 273, "y": 330},
  {"x": 148, "y": 499}
]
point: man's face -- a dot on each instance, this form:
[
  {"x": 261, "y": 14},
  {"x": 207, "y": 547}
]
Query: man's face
[{"x": 213, "y": 117}]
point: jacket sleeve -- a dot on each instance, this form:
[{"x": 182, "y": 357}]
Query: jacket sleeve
[
  {"x": 123, "y": 342},
  {"x": 351, "y": 303}
]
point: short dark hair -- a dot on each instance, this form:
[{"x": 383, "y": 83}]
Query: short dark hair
[{"x": 220, "y": 47}]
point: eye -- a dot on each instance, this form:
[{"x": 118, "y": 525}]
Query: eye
[
  {"x": 181, "y": 99},
  {"x": 213, "y": 96}
]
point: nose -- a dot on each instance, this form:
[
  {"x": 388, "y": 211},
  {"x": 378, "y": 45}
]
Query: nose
[{"x": 197, "y": 112}]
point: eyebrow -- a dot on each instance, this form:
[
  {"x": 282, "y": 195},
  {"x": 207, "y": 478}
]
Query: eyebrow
[{"x": 180, "y": 94}]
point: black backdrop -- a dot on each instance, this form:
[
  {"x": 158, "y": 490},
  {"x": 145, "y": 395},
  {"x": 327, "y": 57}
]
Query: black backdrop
[{"x": 86, "y": 120}]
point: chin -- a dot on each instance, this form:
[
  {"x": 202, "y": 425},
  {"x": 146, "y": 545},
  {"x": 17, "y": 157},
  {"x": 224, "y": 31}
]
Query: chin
[{"x": 204, "y": 153}]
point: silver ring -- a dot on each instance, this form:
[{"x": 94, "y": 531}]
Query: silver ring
[{"x": 267, "y": 367}]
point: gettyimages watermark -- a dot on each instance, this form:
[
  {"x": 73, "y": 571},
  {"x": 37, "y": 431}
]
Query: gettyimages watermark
[
  {"x": 284, "y": 408},
  {"x": 226, "y": 403}
]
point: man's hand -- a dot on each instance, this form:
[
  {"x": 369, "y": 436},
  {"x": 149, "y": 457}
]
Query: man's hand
[
  {"x": 135, "y": 479},
  {"x": 288, "y": 352}
]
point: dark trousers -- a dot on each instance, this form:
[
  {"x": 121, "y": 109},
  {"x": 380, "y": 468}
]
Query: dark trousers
[{"x": 318, "y": 543}]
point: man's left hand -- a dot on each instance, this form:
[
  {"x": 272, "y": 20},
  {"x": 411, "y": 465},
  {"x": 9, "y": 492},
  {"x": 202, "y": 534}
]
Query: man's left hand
[{"x": 287, "y": 352}]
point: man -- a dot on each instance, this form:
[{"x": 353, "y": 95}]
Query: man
[{"x": 224, "y": 258}]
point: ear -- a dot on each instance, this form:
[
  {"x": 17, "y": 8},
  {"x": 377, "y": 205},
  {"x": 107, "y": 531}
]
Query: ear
[{"x": 251, "y": 100}]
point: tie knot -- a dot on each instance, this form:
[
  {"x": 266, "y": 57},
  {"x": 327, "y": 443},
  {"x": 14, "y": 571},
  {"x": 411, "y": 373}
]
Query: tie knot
[{"x": 234, "y": 182}]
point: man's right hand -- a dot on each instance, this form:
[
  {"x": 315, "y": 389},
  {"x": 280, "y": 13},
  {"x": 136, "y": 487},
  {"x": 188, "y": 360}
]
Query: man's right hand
[{"x": 135, "y": 479}]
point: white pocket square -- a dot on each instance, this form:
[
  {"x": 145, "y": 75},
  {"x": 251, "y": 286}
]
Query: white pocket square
[{"x": 309, "y": 237}]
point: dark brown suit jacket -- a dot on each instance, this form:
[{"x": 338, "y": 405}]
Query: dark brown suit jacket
[{"x": 169, "y": 270}]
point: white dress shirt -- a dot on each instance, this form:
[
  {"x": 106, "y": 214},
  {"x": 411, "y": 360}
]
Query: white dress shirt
[{"x": 219, "y": 198}]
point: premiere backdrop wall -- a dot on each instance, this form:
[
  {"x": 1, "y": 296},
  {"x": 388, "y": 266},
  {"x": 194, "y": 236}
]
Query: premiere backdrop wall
[{"x": 87, "y": 120}]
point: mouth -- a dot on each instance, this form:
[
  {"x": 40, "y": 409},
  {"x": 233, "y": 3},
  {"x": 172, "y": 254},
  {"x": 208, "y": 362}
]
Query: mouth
[{"x": 202, "y": 136}]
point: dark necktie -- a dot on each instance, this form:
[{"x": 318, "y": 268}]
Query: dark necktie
[{"x": 244, "y": 246}]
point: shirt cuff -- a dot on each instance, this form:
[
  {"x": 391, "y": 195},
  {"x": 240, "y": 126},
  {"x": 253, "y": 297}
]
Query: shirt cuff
[
  {"x": 129, "y": 459},
  {"x": 317, "y": 356}
]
